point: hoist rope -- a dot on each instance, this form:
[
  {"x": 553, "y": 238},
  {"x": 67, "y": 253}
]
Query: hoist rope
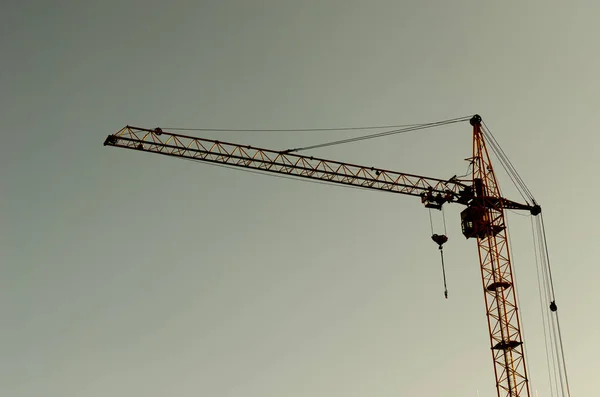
[
  {"x": 430, "y": 221},
  {"x": 441, "y": 250},
  {"x": 444, "y": 273},
  {"x": 444, "y": 218},
  {"x": 442, "y": 254}
]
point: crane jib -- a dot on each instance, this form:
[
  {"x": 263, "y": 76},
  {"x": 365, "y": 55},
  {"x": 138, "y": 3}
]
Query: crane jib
[
  {"x": 434, "y": 192},
  {"x": 296, "y": 165}
]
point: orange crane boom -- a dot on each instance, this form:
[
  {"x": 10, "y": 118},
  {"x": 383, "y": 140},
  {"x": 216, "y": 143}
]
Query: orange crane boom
[{"x": 483, "y": 218}]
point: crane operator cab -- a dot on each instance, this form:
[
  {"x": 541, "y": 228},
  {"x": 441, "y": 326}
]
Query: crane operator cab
[
  {"x": 477, "y": 220},
  {"x": 476, "y": 223}
]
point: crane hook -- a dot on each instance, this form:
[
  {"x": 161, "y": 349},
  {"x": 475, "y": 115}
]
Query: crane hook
[{"x": 439, "y": 239}]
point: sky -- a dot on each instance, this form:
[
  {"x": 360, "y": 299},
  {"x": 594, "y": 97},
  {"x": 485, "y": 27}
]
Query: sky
[{"x": 130, "y": 274}]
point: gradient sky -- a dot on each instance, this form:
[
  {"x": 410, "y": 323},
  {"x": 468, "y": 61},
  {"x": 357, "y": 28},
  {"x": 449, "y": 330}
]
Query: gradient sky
[{"x": 129, "y": 274}]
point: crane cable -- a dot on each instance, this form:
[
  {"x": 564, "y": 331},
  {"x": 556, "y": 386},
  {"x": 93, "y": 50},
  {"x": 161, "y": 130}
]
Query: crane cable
[
  {"x": 397, "y": 129},
  {"x": 413, "y": 127},
  {"x": 508, "y": 166},
  {"x": 440, "y": 240},
  {"x": 371, "y": 127},
  {"x": 550, "y": 361},
  {"x": 554, "y": 323}
]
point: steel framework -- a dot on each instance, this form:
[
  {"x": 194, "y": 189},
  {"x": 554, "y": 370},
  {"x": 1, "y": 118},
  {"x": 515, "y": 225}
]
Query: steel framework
[
  {"x": 497, "y": 275},
  {"x": 483, "y": 218}
]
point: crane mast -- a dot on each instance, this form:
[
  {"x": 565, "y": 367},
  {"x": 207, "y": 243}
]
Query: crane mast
[{"x": 483, "y": 218}]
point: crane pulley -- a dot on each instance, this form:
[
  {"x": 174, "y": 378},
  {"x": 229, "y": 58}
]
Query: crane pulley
[{"x": 483, "y": 218}]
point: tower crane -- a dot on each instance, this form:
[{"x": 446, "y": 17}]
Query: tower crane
[{"x": 483, "y": 218}]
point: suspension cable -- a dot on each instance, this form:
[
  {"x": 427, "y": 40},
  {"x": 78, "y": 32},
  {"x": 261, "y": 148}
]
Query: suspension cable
[
  {"x": 507, "y": 164},
  {"x": 558, "y": 332},
  {"x": 376, "y": 127},
  {"x": 513, "y": 179},
  {"x": 548, "y": 299},
  {"x": 505, "y": 158},
  {"x": 543, "y": 306},
  {"x": 562, "y": 353},
  {"x": 547, "y": 255},
  {"x": 414, "y": 127}
]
